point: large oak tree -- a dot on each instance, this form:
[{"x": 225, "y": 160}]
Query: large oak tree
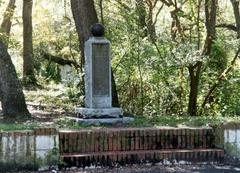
[{"x": 11, "y": 94}]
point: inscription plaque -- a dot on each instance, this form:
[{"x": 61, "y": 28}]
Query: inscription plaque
[{"x": 100, "y": 69}]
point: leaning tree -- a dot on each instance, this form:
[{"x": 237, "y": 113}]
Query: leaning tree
[{"x": 11, "y": 94}]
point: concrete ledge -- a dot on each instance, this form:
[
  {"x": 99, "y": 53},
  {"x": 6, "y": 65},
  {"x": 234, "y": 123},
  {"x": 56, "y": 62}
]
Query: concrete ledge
[
  {"x": 99, "y": 112},
  {"x": 106, "y": 121}
]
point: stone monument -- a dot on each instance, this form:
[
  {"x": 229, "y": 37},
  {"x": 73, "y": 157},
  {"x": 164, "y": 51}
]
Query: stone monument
[{"x": 98, "y": 87}]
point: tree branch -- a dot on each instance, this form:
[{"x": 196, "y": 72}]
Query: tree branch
[
  {"x": 168, "y": 3},
  {"x": 228, "y": 26},
  {"x": 7, "y": 17},
  {"x": 157, "y": 14},
  {"x": 236, "y": 11},
  {"x": 59, "y": 60}
]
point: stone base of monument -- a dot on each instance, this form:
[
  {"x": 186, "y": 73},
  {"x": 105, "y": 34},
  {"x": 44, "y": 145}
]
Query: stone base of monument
[
  {"x": 104, "y": 121},
  {"x": 101, "y": 116},
  {"x": 99, "y": 112}
]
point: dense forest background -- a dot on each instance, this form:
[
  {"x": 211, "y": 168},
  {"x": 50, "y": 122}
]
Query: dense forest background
[{"x": 169, "y": 57}]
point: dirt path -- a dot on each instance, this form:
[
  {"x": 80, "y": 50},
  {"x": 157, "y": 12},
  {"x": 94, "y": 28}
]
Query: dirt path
[{"x": 44, "y": 114}]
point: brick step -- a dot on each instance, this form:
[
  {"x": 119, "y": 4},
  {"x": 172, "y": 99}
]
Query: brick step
[
  {"x": 132, "y": 157},
  {"x": 134, "y": 139}
]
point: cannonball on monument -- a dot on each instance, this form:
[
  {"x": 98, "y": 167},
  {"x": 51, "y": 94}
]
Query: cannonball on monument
[{"x": 97, "y": 30}]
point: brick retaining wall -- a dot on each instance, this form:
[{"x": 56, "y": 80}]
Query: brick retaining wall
[
  {"x": 139, "y": 144},
  {"x": 132, "y": 139}
]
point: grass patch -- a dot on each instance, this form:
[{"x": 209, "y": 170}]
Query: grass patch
[
  {"x": 177, "y": 121},
  {"x": 174, "y": 121},
  {"x": 18, "y": 126}
]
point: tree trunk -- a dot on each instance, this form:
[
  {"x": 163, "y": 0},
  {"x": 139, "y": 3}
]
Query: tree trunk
[
  {"x": 150, "y": 20},
  {"x": 146, "y": 20},
  {"x": 7, "y": 23},
  {"x": 13, "y": 101},
  {"x": 195, "y": 70},
  {"x": 28, "y": 63},
  {"x": 142, "y": 15},
  {"x": 235, "y": 4},
  {"x": 11, "y": 94},
  {"x": 85, "y": 16},
  {"x": 115, "y": 101},
  {"x": 194, "y": 73},
  {"x": 210, "y": 23}
]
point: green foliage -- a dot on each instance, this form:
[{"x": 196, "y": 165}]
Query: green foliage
[
  {"x": 50, "y": 71},
  {"x": 218, "y": 58},
  {"x": 182, "y": 121},
  {"x": 18, "y": 126},
  {"x": 229, "y": 100},
  {"x": 74, "y": 93},
  {"x": 159, "y": 80},
  {"x": 232, "y": 149},
  {"x": 151, "y": 68},
  {"x": 52, "y": 157}
]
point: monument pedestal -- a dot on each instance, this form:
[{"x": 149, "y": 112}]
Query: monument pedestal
[
  {"x": 100, "y": 112},
  {"x": 103, "y": 121},
  {"x": 98, "y": 86},
  {"x": 101, "y": 116}
]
